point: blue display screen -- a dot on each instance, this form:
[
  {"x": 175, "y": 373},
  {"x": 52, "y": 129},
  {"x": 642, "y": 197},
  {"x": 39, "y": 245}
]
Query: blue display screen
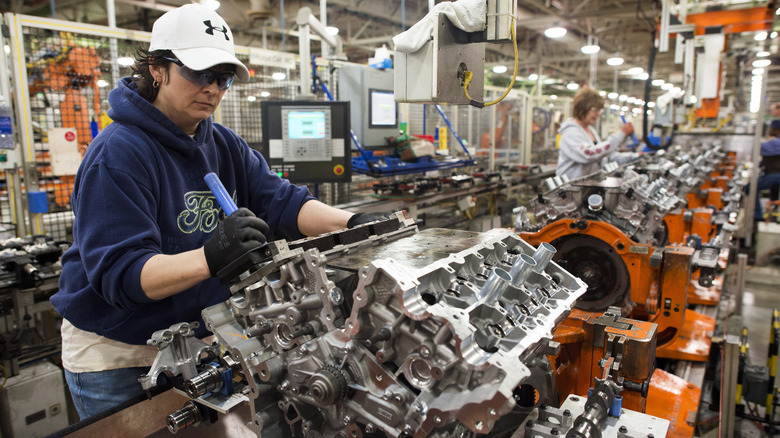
[{"x": 303, "y": 125}]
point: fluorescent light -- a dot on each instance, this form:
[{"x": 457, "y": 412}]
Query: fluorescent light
[
  {"x": 773, "y": 35},
  {"x": 590, "y": 49},
  {"x": 635, "y": 71},
  {"x": 500, "y": 69},
  {"x": 761, "y": 63},
  {"x": 332, "y": 30},
  {"x": 211, "y": 4},
  {"x": 615, "y": 61},
  {"x": 760, "y": 36},
  {"x": 763, "y": 54},
  {"x": 642, "y": 77},
  {"x": 265, "y": 94},
  {"x": 251, "y": 98},
  {"x": 622, "y": 98},
  {"x": 675, "y": 90},
  {"x": 7, "y": 49},
  {"x": 279, "y": 76},
  {"x": 602, "y": 93},
  {"x": 657, "y": 82},
  {"x": 694, "y": 99},
  {"x": 572, "y": 86},
  {"x": 125, "y": 61},
  {"x": 533, "y": 77},
  {"x": 757, "y": 78},
  {"x": 758, "y": 71},
  {"x": 549, "y": 81},
  {"x": 614, "y": 107},
  {"x": 623, "y": 108},
  {"x": 631, "y": 100},
  {"x": 651, "y": 104},
  {"x": 555, "y": 32},
  {"x": 667, "y": 86},
  {"x": 553, "y": 97},
  {"x": 102, "y": 83},
  {"x": 612, "y": 95}
]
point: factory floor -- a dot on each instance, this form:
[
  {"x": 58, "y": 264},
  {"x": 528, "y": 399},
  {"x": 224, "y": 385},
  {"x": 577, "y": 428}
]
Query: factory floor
[{"x": 761, "y": 295}]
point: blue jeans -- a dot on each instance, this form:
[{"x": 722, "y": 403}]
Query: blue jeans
[
  {"x": 764, "y": 182},
  {"x": 96, "y": 392}
]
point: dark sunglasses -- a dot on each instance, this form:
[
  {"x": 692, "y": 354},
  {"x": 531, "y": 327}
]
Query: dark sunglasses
[{"x": 204, "y": 78}]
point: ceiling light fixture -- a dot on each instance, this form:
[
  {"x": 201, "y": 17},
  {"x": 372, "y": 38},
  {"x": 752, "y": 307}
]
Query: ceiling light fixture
[
  {"x": 265, "y": 94},
  {"x": 635, "y": 71},
  {"x": 758, "y": 71},
  {"x": 762, "y": 54},
  {"x": 212, "y": 4},
  {"x": 279, "y": 76},
  {"x": 760, "y": 36},
  {"x": 500, "y": 69},
  {"x": 615, "y": 61},
  {"x": 612, "y": 95},
  {"x": 553, "y": 96},
  {"x": 572, "y": 86},
  {"x": 590, "y": 49},
  {"x": 667, "y": 86},
  {"x": 533, "y": 77},
  {"x": 555, "y": 32},
  {"x": 657, "y": 82},
  {"x": 332, "y": 30},
  {"x": 251, "y": 98},
  {"x": 125, "y": 61},
  {"x": 761, "y": 63}
]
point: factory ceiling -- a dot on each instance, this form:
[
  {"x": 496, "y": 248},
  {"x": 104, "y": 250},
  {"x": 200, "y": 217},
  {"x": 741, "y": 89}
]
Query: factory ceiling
[{"x": 622, "y": 28}]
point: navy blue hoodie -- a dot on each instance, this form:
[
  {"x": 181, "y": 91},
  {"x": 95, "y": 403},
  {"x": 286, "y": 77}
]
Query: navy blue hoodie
[{"x": 140, "y": 192}]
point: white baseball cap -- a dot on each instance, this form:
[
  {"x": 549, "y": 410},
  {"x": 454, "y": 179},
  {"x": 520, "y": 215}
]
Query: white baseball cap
[{"x": 199, "y": 37}]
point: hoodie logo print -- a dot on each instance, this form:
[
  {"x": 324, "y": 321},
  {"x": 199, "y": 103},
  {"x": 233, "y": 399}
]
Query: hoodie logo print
[
  {"x": 201, "y": 212},
  {"x": 210, "y": 29}
]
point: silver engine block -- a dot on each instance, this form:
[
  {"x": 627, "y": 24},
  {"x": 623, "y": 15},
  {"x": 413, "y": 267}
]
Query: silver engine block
[{"x": 382, "y": 329}]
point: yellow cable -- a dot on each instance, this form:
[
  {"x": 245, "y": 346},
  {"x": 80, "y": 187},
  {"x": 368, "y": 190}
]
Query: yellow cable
[{"x": 468, "y": 76}]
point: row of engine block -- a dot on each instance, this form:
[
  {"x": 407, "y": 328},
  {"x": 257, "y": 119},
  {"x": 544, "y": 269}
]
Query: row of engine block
[{"x": 386, "y": 330}]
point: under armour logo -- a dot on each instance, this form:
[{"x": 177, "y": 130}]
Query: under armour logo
[{"x": 210, "y": 29}]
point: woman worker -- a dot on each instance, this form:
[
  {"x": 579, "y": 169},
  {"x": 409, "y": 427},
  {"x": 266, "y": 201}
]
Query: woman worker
[
  {"x": 580, "y": 148},
  {"x": 148, "y": 238}
]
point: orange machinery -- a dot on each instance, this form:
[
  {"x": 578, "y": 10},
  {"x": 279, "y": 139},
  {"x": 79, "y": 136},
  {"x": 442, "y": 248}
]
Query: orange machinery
[
  {"x": 607, "y": 345},
  {"x": 649, "y": 283},
  {"x": 72, "y": 71}
]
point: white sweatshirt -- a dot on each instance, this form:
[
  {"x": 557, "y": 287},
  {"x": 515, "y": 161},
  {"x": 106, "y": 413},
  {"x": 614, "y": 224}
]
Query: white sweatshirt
[{"x": 578, "y": 155}]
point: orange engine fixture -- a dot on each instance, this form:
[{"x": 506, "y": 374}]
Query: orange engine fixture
[{"x": 648, "y": 283}]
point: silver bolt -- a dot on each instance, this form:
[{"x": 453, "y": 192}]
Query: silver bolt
[
  {"x": 369, "y": 428},
  {"x": 346, "y": 420},
  {"x": 285, "y": 385},
  {"x": 336, "y": 296},
  {"x": 425, "y": 351}
]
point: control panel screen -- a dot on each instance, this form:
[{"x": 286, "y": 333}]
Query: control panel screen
[
  {"x": 307, "y": 141},
  {"x": 382, "y": 107},
  {"x": 305, "y": 124}
]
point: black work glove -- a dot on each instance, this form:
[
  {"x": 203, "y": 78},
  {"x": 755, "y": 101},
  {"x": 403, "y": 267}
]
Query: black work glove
[
  {"x": 239, "y": 233},
  {"x": 364, "y": 218}
]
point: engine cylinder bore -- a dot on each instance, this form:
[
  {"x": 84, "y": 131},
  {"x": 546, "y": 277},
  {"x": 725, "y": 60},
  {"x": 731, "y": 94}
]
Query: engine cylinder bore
[
  {"x": 189, "y": 415},
  {"x": 544, "y": 253},
  {"x": 599, "y": 266},
  {"x": 521, "y": 269}
]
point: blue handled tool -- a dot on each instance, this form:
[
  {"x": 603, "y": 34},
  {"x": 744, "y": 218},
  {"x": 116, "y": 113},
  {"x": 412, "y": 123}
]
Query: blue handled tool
[
  {"x": 633, "y": 137},
  {"x": 219, "y": 191}
]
